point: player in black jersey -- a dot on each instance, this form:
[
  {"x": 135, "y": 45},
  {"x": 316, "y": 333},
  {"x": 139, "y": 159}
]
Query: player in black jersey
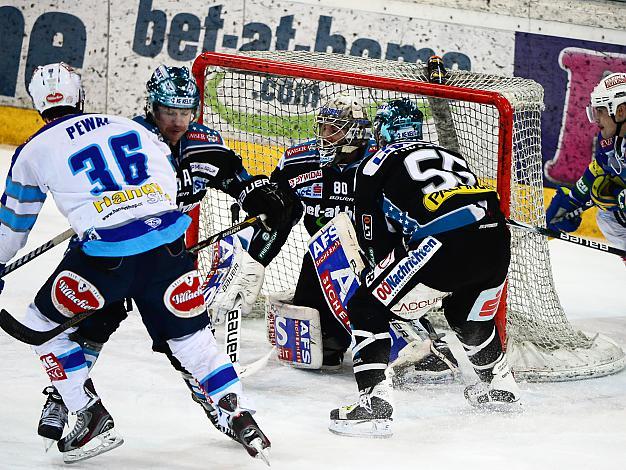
[
  {"x": 201, "y": 161},
  {"x": 427, "y": 226},
  {"x": 321, "y": 173}
]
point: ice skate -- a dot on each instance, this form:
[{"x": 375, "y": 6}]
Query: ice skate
[
  {"x": 211, "y": 413},
  {"x": 370, "y": 417},
  {"x": 424, "y": 362},
  {"x": 245, "y": 428},
  {"x": 53, "y": 417},
  {"x": 500, "y": 394},
  {"x": 93, "y": 432}
]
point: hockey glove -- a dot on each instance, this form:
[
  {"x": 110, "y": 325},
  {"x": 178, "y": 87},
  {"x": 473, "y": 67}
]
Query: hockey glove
[
  {"x": 563, "y": 213},
  {"x": 621, "y": 200},
  {"x": 1, "y": 280},
  {"x": 605, "y": 191},
  {"x": 261, "y": 196}
]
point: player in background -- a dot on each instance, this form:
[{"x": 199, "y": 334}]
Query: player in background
[
  {"x": 603, "y": 184},
  {"x": 320, "y": 173},
  {"x": 201, "y": 161},
  {"x": 113, "y": 180},
  {"x": 429, "y": 228}
]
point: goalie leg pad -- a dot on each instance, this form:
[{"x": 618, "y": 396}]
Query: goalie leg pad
[
  {"x": 338, "y": 264},
  {"x": 295, "y": 331}
]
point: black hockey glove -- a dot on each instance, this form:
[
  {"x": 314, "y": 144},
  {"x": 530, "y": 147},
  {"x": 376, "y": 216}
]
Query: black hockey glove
[{"x": 260, "y": 196}]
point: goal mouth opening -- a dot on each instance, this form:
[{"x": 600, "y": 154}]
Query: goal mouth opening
[{"x": 264, "y": 104}]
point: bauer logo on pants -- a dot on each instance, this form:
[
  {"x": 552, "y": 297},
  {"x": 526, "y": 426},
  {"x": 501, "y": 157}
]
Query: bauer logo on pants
[
  {"x": 184, "y": 296},
  {"x": 72, "y": 294}
]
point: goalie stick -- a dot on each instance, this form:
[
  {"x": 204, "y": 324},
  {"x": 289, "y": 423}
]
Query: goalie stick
[
  {"x": 60, "y": 238},
  {"x": 36, "y": 338},
  {"x": 566, "y": 237}
]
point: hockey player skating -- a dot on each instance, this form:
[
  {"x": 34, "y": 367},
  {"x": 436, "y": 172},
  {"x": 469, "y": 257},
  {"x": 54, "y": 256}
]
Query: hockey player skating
[
  {"x": 113, "y": 180},
  {"x": 202, "y": 161},
  {"x": 427, "y": 228},
  {"x": 603, "y": 184},
  {"x": 320, "y": 173}
]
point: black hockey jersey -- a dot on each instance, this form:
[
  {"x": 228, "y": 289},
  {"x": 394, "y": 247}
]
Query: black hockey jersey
[
  {"x": 410, "y": 190},
  {"x": 324, "y": 192}
]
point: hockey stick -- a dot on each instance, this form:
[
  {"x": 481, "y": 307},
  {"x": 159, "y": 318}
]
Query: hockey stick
[
  {"x": 36, "y": 338},
  {"x": 60, "y": 238},
  {"x": 566, "y": 237}
]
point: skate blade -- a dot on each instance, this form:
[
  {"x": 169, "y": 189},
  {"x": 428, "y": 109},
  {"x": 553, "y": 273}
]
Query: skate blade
[
  {"x": 48, "y": 443},
  {"x": 99, "y": 445},
  {"x": 262, "y": 453},
  {"x": 373, "y": 429},
  {"x": 406, "y": 378}
]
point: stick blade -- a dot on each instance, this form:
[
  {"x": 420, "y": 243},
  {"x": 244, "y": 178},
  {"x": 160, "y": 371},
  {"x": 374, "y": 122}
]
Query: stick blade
[{"x": 20, "y": 332}]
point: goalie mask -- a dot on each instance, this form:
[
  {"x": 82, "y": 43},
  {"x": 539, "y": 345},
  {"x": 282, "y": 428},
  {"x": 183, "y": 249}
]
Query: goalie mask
[
  {"x": 342, "y": 127},
  {"x": 397, "y": 120},
  {"x": 55, "y": 85},
  {"x": 173, "y": 87},
  {"x": 609, "y": 94}
]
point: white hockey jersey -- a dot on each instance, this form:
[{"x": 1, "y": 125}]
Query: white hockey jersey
[{"x": 109, "y": 176}]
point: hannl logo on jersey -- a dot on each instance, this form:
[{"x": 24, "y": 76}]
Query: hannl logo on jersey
[
  {"x": 313, "y": 191},
  {"x": 303, "y": 178},
  {"x": 405, "y": 269}
]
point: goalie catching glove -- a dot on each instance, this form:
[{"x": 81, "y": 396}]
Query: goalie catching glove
[
  {"x": 260, "y": 196},
  {"x": 234, "y": 280}
]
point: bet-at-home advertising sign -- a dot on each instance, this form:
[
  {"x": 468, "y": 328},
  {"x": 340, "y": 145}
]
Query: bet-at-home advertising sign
[{"x": 117, "y": 59}]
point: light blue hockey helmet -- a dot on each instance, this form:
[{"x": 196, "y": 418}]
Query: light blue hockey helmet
[
  {"x": 173, "y": 87},
  {"x": 397, "y": 120}
]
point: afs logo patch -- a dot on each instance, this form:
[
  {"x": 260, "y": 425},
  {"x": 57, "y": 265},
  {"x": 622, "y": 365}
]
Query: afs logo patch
[
  {"x": 184, "y": 296},
  {"x": 72, "y": 294}
]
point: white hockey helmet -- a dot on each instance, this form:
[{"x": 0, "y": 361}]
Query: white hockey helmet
[
  {"x": 348, "y": 117},
  {"x": 55, "y": 85},
  {"x": 609, "y": 94}
]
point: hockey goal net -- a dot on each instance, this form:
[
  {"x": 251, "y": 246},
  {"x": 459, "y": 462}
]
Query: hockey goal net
[{"x": 264, "y": 102}]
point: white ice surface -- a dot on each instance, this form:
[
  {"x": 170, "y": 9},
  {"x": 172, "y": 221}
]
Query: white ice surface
[{"x": 574, "y": 425}]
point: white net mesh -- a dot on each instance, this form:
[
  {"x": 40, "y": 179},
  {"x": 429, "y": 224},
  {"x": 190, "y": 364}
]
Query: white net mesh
[{"x": 262, "y": 113}]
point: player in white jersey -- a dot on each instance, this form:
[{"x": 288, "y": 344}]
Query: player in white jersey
[{"x": 113, "y": 180}]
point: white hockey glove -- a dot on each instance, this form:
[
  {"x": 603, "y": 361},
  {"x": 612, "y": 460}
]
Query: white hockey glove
[{"x": 234, "y": 281}]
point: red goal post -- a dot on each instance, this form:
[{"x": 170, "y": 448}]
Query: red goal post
[{"x": 264, "y": 102}]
